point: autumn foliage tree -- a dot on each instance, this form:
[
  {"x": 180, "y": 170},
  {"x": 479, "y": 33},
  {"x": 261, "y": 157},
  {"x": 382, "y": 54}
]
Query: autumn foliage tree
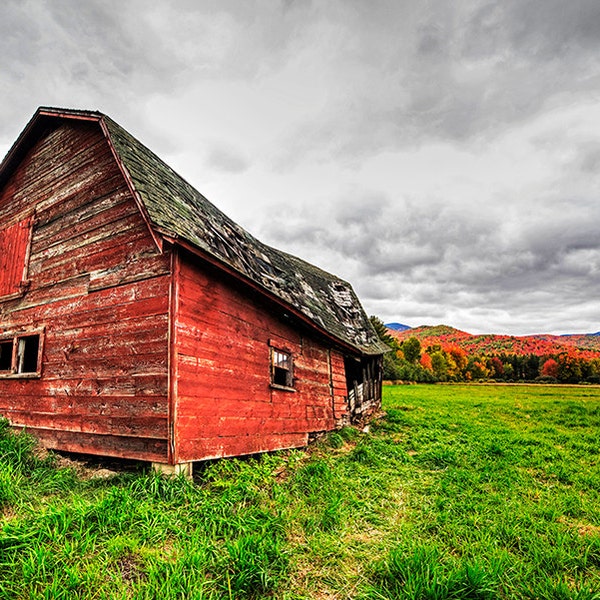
[
  {"x": 496, "y": 367},
  {"x": 569, "y": 368},
  {"x": 402, "y": 362},
  {"x": 425, "y": 361},
  {"x": 411, "y": 349},
  {"x": 549, "y": 369},
  {"x": 439, "y": 364}
]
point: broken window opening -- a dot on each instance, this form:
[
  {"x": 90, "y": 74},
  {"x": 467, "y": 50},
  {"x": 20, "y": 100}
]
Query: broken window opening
[
  {"x": 6, "y": 352},
  {"x": 28, "y": 353},
  {"x": 21, "y": 355},
  {"x": 281, "y": 368}
]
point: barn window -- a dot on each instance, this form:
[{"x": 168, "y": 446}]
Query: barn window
[
  {"x": 14, "y": 250},
  {"x": 282, "y": 374},
  {"x": 21, "y": 355}
]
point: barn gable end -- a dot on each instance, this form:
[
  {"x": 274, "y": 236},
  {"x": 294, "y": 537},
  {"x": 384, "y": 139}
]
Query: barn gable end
[{"x": 96, "y": 292}]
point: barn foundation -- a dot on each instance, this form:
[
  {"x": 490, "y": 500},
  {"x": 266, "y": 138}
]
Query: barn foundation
[{"x": 185, "y": 468}]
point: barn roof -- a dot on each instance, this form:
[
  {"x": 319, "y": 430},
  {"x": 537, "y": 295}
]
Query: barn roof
[{"x": 178, "y": 212}]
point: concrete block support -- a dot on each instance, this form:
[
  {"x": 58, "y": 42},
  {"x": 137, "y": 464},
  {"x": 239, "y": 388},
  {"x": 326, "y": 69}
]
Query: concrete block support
[{"x": 174, "y": 470}]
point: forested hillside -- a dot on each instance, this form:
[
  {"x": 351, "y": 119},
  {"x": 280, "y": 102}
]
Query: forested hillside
[
  {"x": 492, "y": 344},
  {"x": 442, "y": 353}
]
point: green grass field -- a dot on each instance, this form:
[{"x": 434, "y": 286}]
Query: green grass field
[{"x": 459, "y": 492}]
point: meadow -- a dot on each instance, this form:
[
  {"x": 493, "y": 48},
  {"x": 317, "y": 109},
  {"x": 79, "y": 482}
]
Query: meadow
[{"x": 456, "y": 491}]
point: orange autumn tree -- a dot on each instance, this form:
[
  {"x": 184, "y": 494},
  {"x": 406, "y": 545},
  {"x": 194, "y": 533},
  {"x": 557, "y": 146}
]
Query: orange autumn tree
[
  {"x": 457, "y": 360},
  {"x": 426, "y": 361}
]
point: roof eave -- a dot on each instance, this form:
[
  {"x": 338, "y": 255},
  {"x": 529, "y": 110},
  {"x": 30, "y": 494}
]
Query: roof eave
[
  {"x": 158, "y": 239},
  {"x": 16, "y": 151},
  {"x": 209, "y": 258}
]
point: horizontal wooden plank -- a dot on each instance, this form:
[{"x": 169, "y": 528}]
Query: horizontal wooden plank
[
  {"x": 223, "y": 407},
  {"x": 203, "y": 409},
  {"x": 106, "y": 348},
  {"x": 211, "y": 387},
  {"x": 204, "y": 448},
  {"x": 110, "y": 190},
  {"x": 154, "y": 427},
  {"x": 103, "y": 445},
  {"x": 142, "y": 384},
  {"x": 240, "y": 428},
  {"x": 152, "y": 328},
  {"x": 218, "y": 348},
  {"x": 91, "y": 384},
  {"x": 72, "y": 402},
  {"x": 138, "y": 267},
  {"x": 107, "y": 367},
  {"x": 138, "y": 300}
]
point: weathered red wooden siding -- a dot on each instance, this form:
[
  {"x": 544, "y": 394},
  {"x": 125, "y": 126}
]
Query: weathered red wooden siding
[
  {"x": 223, "y": 402},
  {"x": 339, "y": 388},
  {"x": 100, "y": 288}
]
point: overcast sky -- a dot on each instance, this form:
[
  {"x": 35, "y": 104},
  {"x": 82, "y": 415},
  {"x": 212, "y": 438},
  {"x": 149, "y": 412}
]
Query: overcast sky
[{"x": 443, "y": 157}]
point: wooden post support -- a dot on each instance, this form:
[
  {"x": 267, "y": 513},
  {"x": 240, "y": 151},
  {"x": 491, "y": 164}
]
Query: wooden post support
[{"x": 184, "y": 468}]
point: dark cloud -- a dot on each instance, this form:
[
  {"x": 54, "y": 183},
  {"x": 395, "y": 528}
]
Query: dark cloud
[
  {"x": 227, "y": 159},
  {"x": 589, "y": 157},
  {"x": 80, "y": 54},
  {"x": 541, "y": 29},
  {"x": 428, "y": 256},
  {"x": 456, "y": 71},
  {"x": 485, "y": 212}
]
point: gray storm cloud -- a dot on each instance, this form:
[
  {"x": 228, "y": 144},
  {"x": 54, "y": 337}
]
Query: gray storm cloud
[{"x": 443, "y": 157}]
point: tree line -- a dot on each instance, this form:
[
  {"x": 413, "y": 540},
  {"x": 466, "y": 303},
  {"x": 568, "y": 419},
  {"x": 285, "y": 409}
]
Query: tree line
[{"x": 409, "y": 361}]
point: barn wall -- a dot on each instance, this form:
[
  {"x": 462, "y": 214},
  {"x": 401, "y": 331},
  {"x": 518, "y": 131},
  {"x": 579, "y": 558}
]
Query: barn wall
[
  {"x": 224, "y": 404},
  {"x": 98, "y": 289}
]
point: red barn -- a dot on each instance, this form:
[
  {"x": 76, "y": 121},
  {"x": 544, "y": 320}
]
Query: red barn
[{"x": 138, "y": 321}]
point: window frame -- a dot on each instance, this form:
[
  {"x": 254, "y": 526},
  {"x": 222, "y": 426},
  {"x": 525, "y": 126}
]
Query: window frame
[
  {"x": 16, "y": 338},
  {"x": 275, "y": 352}
]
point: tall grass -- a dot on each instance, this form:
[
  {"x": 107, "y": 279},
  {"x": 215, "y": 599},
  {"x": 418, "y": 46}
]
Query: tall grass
[{"x": 457, "y": 492}]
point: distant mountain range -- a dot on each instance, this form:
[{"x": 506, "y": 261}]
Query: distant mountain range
[
  {"x": 397, "y": 326},
  {"x": 588, "y": 345}
]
